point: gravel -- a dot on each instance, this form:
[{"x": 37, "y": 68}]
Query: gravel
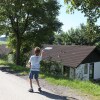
[{"x": 70, "y": 94}]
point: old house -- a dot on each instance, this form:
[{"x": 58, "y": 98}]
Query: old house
[{"x": 78, "y": 62}]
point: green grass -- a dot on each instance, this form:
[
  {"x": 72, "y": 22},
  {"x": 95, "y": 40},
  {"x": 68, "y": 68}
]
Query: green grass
[
  {"x": 15, "y": 68},
  {"x": 18, "y": 68},
  {"x": 3, "y": 42},
  {"x": 84, "y": 86},
  {"x": 3, "y": 62}
]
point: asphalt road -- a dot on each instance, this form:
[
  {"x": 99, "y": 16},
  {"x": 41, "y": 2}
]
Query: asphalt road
[{"x": 16, "y": 88}]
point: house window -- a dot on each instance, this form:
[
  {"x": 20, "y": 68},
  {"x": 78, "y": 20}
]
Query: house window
[{"x": 86, "y": 69}]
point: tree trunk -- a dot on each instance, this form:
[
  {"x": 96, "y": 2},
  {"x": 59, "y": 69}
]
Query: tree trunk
[{"x": 18, "y": 45}]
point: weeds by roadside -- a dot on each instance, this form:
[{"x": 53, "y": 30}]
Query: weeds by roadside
[{"x": 13, "y": 68}]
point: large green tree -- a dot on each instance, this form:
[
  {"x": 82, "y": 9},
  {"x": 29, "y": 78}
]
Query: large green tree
[{"x": 29, "y": 22}]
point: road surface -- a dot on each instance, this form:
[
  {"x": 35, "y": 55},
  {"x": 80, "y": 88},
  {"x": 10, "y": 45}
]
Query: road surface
[{"x": 15, "y": 88}]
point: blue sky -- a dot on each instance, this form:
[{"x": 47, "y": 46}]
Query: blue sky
[{"x": 71, "y": 20}]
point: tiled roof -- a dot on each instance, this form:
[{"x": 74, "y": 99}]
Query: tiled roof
[{"x": 69, "y": 55}]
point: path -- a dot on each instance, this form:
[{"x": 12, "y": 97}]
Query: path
[{"x": 16, "y": 88}]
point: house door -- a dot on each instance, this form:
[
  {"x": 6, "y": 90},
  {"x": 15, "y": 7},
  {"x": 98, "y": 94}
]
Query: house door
[
  {"x": 66, "y": 71},
  {"x": 91, "y": 71}
]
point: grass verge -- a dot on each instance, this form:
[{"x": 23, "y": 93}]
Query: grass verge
[
  {"x": 87, "y": 87},
  {"x": 14, "y": 68},
  {"x": 3, "y": 42}
]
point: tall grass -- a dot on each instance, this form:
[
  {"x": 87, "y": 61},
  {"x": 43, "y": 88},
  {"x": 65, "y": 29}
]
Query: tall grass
[
  {"x": 3, "y": 42},
  {"x": 14, "y": 68},
  {"x": 3, "y": 62},
  {"x": 84, "y": 86}
]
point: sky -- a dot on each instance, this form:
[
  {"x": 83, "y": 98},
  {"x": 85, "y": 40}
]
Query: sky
[{"x": 71, "y": 20}]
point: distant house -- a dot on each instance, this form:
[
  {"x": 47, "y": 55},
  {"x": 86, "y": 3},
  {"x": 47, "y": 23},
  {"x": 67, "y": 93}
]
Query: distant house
[
  {"x": 4, "y": 50},
  {"x": 78, "y": 62}
]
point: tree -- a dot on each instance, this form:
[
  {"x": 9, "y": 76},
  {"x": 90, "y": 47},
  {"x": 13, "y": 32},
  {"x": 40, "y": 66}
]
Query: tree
[
  {"x": 84, "y": 35},
  {"x": 91, "y": 8},
  {"x": 29, "y": 22}
]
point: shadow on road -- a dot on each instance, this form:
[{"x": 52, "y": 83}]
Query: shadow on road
[{"x": 55, "y": 97}]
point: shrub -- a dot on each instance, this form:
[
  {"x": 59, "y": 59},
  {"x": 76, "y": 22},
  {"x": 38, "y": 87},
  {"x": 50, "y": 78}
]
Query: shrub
[{"x": 50, "y": 67}]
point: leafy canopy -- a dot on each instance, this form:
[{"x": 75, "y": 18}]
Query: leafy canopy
[
  {"x": 28, "y": 22},
  {"x": 91, "y": 8}
]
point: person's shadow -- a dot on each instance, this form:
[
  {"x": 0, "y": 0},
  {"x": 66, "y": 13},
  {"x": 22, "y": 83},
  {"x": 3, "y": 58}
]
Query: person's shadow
[{"x": 54, "y": 96}]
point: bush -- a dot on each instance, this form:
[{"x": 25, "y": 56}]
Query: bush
[{"x": 50, "y": 67}]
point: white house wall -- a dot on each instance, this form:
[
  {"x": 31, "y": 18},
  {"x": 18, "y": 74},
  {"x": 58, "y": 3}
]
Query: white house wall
[
  {"x": 79, "y": 73},
  {"x": 96, "y": 70}
]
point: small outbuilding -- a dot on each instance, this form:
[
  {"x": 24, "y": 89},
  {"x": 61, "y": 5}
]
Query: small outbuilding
[{"x": 76, "y": 61}]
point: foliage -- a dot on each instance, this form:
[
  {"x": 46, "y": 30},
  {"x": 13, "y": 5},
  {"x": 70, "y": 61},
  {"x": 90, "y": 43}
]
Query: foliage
[
  {"x": 50, "y": 67},
  {"x": 84, "y": 35},
  {"x": 13, "y": 68},
  {"x": 16, "y": 68},
  {"x": 91, "y": 8},
  {"x": 90, "y": 35},
  {"x": 28, "y": 23},
  {"x": 3, "y": 62}
]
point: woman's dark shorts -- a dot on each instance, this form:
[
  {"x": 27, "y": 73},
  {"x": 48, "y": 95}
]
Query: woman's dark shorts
[{"x": 34, "y": 73}]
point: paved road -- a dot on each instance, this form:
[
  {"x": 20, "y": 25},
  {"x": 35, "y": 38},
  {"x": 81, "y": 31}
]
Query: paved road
[{"x": 16, "y": 88}]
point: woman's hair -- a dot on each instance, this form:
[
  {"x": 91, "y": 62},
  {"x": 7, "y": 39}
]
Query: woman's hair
[{"x": 37, "y": 51}]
